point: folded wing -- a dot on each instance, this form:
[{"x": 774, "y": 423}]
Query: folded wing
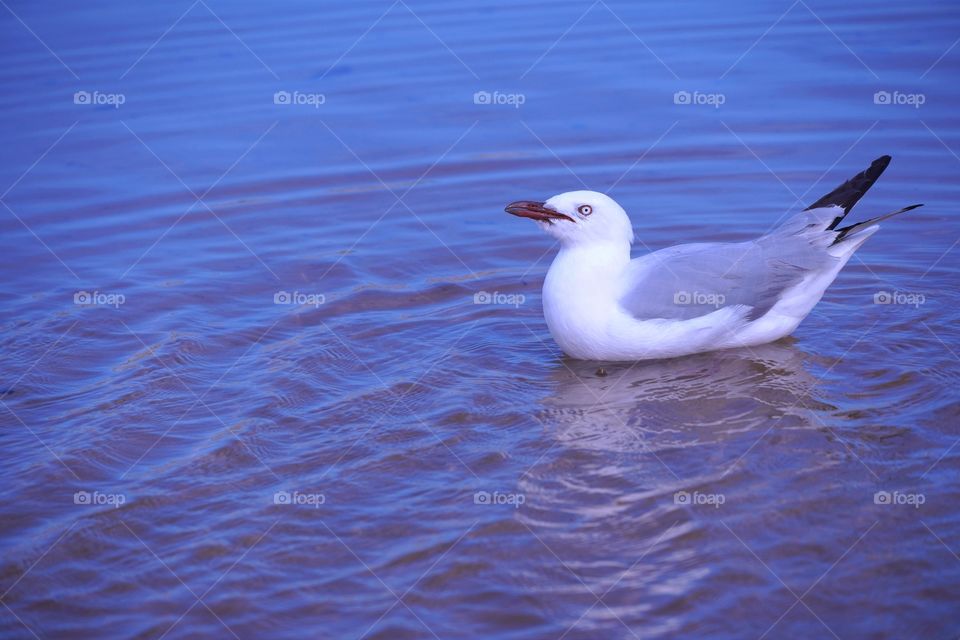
[{"x": 691, "y": 280}]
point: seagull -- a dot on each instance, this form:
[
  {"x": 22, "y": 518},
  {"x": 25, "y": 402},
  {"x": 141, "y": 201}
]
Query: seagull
[{"x": 690, "y": 298}]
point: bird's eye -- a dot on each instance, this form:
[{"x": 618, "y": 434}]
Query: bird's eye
[{"x": 584, "y": 209}]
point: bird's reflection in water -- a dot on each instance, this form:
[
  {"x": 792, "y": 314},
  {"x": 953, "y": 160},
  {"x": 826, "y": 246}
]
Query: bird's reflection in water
[
  {"x": 696, "y": 398},
  {"x": 667, "y": 424},
  {"x": 624, "y": 440}
]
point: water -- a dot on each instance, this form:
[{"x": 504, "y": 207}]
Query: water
[{"x": 386, "y": 403}]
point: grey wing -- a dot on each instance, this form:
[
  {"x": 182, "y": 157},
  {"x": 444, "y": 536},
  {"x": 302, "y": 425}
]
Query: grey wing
[{"x": 692, "y": 280}]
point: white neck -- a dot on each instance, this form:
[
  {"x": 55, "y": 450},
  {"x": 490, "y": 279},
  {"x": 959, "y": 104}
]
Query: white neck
[{"x": 581, "y": 286}]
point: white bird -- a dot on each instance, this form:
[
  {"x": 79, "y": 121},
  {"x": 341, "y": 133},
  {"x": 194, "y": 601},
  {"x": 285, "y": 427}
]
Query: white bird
[{"x": 601, "y": 305}]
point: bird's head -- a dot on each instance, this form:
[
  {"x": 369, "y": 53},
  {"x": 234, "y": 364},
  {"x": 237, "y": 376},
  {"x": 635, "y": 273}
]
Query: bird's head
[{"x": 578, "y": 217}]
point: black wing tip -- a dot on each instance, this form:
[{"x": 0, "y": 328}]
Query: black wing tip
[
  {"x": 846, "y": 231},
  {"x": 849, "y": 193}
]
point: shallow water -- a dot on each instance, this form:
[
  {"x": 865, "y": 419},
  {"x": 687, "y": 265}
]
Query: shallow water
[{"x": 451, "y": 474}]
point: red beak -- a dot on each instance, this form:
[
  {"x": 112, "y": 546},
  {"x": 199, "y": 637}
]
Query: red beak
[{"x": 535, "y": 211}]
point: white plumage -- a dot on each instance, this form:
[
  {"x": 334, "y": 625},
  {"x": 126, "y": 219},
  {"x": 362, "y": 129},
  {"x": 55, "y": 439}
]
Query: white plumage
[{"x": 601, "y": 305}]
